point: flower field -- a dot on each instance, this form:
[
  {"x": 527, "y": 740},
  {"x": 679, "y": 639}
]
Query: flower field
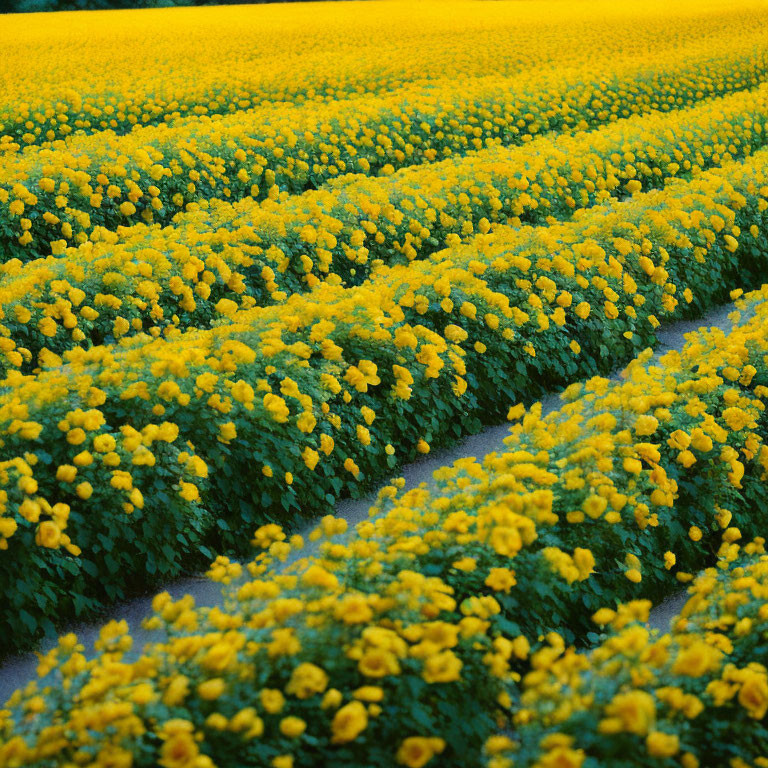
[{"x": 264, "y": 256}]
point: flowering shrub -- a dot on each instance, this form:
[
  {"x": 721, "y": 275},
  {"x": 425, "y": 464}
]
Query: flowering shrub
[
  {"x": 697, "y": 696},
  {"x": 125, "y": 496},
  {"x": 53, "y": 196},
  {"x": 429, "y": 603},
  {"x": 149, "y": 278}
]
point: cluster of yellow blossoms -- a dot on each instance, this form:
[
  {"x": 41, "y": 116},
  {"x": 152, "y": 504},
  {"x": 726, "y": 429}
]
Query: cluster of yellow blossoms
[
  {"x": 444, "y": 601},
  {"x": 697, "y": 696}
]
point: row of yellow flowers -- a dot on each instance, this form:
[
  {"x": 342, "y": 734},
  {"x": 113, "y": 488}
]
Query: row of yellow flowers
[
  {"x": 53, "y": 196},
  {"x": 289, "y": 407},
  {"x": 151, "y": 279},
  {"x": 160, "y": 65},
  {"x": 434, "y": 604},
  {"x": 695, "y": 697}
]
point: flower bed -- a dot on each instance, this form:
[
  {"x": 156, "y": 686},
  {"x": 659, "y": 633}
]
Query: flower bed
[
  {"x": 152, "y": 279},
  {"x": 430, "y": 603},
  {"x": 291, "y": 407},
  {"x": 54, "y": 196}
]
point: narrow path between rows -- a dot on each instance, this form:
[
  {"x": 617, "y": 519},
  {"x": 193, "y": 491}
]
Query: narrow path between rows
[{"x": 19, "y": 670}]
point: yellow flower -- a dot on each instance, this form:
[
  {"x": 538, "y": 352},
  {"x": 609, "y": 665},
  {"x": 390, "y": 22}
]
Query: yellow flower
[
  {"x": 179, "y": 749},
  {"x": 501, "y": 579},
  {"x": 377, "y": 662},
  {"x": 353, "y": 609},
  {"x": 603, "y": 616},
  {"x": 417, "y": 751},
  {"x": 272, "y": 700},
  {"x": 582, "y": 310},
  {"x": 562, "y": 757},
  {"x": 633, "y": 712},
  {"x": 444, "y": 667},
  {"x": 696, "y": 660},
  {"x": 306, "y": 422},
  {"x": 292, "y": 727},
  {"x": 753, "y": 694},
  {"x": 48, "y": 535},
  {"x": 661, "y": 744},
  {"x": 211, "y": 689},
  {"x": 349, "y": 722},
  {"x": 694, "y": 533},
  {"x": 370, "y": 693},
  {"x": 276, "y": 408},
  {"x": 307, "y": 680},
  {"x": 66, "y": 473}
]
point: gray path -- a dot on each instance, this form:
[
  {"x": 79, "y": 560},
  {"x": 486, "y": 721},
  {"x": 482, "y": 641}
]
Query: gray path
[{"x": 19, "y": 670}]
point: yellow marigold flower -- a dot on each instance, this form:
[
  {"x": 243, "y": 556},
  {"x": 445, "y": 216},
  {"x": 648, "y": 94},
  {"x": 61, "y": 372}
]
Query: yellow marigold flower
[
  {"x": 189, "y": 492},
  {"x": 276, "y": 407},
  {"x": 604, "y": 616},
  {"x": 753, "y": 694},
  {"x": 306, "y": 681},
  {"x": 66, "y": 473},
  {"x": 332, "y": 699},
  {"x": 661, "y": 744},
  {"x": 377, "y": 662},
  {"x": 646, "y": 425},
  {"x": 501, "y": 579},
  {"x": 444, "y": 667},
  {"x": 272, "y": 700},
  {"x": 292, "y": 727},
  {"x": 694, "y": 533},
  {"x": 562, "y": 757},
  {"x": 317, "y": 576},
  {"x": 353, "y": 609},
  {"x": 209, "y": 690},
  {"x": 306, "y": 422},
  {"x": 633, "y": 712},
  {"x": 349, "y": 722},
  {"x": 48, "y": 535},
  {"x": 369, "y": 693},
  {"x": 696, "y": 660},
  {"x": 582, "y": 310},
  {"x": 417, "y": 751}
]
